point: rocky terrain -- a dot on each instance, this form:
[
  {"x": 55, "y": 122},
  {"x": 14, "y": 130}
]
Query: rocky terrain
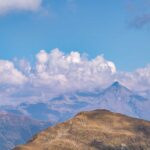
[{"x": 94, "y": 130}]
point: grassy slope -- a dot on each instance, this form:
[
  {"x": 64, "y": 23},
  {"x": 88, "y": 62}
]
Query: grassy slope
[{"x": 95, "y": 130}]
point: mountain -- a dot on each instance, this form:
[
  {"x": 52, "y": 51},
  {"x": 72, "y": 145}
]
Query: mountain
[
  {"x": 116, "y": 98},
  {"x": 15, "y": 129},
  {"x": 94, "y": 130}
]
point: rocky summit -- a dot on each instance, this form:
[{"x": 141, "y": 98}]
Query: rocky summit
[{"x": 94, "y": 130}]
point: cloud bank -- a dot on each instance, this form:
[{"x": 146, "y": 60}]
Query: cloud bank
[
  {"x": 56, "y": 73},
  {"x": 25, "y": 5},
  {"x": 9, "y": 74}
]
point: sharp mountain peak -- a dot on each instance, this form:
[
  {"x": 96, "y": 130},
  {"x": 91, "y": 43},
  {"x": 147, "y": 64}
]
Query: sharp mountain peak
[{"x": 117, "y": 86}]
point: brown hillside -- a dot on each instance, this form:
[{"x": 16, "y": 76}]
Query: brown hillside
[{"x": 95, "y": 130}]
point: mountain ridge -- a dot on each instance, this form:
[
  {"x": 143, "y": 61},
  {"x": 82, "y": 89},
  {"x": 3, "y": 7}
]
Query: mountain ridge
[
  {"x": 17, "y": 129},
  {"x": 94, "y": 130},
  {"x": 115, "y": 97}
]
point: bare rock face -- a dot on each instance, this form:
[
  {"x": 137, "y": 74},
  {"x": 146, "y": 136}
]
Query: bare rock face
[{"x": 95, "y": 130}]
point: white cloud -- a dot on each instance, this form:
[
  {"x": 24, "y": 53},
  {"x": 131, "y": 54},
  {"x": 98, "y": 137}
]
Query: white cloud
[
  {"x": 9, "y": 74},
  {"x": 74, "y": 57},
  {"x": 72, "y": 71},
  {"x": 42, "y": 57},
  {"x": 55, "y": 73},
  {"x": 25, "y": 5},
  {"x": 137, "y": 80}
]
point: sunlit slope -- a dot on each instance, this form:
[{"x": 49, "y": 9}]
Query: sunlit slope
[{"x": 95, "y": 130}]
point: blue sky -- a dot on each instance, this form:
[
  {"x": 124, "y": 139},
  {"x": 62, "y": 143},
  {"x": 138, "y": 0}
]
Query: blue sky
[
  {"x": 119, "y": 29},
  {"x": 42, "y": 42}
]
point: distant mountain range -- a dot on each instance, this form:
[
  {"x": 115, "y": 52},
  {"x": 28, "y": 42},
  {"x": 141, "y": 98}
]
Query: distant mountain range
[
  {"x": 95, "y": 130},
  {"x": 115, "y": 98},
  {"x": 16, "y": 129}
]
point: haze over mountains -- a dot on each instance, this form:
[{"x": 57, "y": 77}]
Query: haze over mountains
[
  {"x": 116, "y": 98},
  {"x": 15, "y": 129}
]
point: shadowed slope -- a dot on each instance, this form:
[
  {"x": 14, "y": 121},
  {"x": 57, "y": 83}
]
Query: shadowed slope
[
  {"x": 95, "y": 130},
  {"x": 17, "y": 129}
]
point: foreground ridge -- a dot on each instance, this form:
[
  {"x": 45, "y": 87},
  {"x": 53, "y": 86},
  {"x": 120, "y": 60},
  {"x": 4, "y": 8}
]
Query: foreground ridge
[{"x": 94, "y": 130}]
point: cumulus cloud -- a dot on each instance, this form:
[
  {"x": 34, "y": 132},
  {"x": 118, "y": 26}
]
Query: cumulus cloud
[
  {"x": 54, "y": 73},
  {"x": 9, "y": 74},
  {"x": 25, "y": 5},
  {"x": 57, "y": 73},
  {"x": 72, "y": 71},
  {"x": 140, "y": 78}
]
